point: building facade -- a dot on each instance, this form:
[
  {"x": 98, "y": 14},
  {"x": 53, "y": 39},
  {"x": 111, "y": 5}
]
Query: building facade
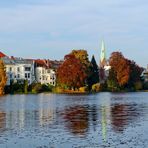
[
  {"x": 18, "y": 70},
  {"x": 44, "y": 73}
]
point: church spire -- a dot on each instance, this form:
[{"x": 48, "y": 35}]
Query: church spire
[{"x": 103, "y": 55}]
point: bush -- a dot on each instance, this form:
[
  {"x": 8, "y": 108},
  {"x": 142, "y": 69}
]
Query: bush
[
  {"x": 83, "y": 89},
  {"x": 145, "y": 85},
  {"x": 47, "y": 88},
  {"x": 16, "y": 88},
  {"x": 35, "y": 88},
  {"x": 138, "y": 85},
  {"x": 96, "y": 87},
  {"x": 58, "y": 89}
]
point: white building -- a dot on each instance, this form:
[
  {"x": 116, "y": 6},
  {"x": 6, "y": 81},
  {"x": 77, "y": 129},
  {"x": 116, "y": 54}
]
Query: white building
[
  {"x": 145, "y": 75},
  {"x": 19, "y": 69},
  {"x": 44, "y": 74}
]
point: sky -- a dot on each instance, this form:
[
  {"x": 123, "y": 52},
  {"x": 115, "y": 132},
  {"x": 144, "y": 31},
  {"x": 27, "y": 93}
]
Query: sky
[{"x": 52, "y": 28}]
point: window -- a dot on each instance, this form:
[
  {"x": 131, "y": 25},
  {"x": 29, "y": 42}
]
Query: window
[
  {"x": 48, "y": 71},
  {"x": 10, "y": 69},
  {"x": 10, "y": 76},
  {"x": 18, "y": 69},
  {"x": 28, "y": 75},
  {"x": 25, "y": 75},
  {"x": 27, "y": 68},
  {"x": 18, "y": 75}
]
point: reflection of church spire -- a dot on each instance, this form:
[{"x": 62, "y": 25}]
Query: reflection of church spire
[{"x": 104, "y": 123}]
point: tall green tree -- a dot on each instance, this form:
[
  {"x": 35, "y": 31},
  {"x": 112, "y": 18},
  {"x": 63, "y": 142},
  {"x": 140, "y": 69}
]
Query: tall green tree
[
  {"x": 94, "y": 72},
  {"x": 135, "y": 74},
  {"x": 3, "y": 77}
]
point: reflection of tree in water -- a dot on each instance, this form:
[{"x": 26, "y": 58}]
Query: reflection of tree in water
[
  {"x": 122, "y": 115},
  {"x": 2, "y": 120},
  {"x": 76, "y": 119}
]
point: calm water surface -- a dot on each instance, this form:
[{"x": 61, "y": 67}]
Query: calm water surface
[{"x": 64, "y": 121}]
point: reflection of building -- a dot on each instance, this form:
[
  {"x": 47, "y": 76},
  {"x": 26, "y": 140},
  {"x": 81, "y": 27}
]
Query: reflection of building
[
  {"x": 46, "y": 115},
  {"x": 104, "y": 67},
  {"x": 28, "y": 117}
]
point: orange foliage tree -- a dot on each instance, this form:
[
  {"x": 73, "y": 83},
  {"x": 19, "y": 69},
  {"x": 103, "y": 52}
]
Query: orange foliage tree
[
  {"x": 121, "y": 67},
  {"x": 71, "y": 73},
  {"x": 3, "y": 78},
  {"x": 125, "y": 71}
]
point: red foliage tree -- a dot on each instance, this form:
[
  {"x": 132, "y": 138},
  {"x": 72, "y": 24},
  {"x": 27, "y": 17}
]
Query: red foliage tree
[
  {"x": 127, "y": 72},
  {"x": 71, "y": 73},
  {"x": 121, "y": 67}
]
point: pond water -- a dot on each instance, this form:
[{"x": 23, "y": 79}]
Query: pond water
[{"x": 84, "y": 121}]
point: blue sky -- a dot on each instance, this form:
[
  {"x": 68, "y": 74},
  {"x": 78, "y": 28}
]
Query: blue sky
[{"x": 52, "y": 28}]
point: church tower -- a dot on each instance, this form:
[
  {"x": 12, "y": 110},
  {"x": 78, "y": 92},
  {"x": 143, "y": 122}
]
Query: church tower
[
  {"x": 103, "y": 61},
  {"x": 103, "y": 65}
]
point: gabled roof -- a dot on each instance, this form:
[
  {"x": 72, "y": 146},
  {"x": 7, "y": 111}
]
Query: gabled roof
[
  {"x": 2, "y": 55},
  {"x": 43, "y": 63}
]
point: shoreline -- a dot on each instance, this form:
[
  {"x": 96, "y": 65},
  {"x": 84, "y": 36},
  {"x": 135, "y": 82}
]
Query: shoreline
[{"x": 74, "y": 93}]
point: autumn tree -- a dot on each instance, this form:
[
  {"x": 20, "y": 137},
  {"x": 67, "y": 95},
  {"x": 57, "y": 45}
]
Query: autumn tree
[
  {"x": 121, "y": 68},
  {"x": 82, "y": 55},
  {"x": 71, "y": 73},
  {"x": 124, "y": 72},
  {"x": 3, "y": 78}
]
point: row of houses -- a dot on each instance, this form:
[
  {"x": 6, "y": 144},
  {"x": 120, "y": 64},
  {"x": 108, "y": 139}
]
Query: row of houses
[{"x": 38, "y": 71}]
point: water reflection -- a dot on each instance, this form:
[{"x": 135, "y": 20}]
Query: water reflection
[
  {"x": 124, "y": 114},
  {"x": 83, "y": 118},
  {"x": 76, "y": 119},
  {"x": 2, "y": 120}
]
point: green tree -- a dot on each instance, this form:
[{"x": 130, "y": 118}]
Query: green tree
[
  {"x": 112, "y": 82},
  {"x": 135, "y": 75},
  {"x": 94, "y": 73},
  {"x": 25, "y": 86},
  {"x": 3, "y": 77}
]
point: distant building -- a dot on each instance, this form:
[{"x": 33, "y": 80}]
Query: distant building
[
  {"x": 2, "y": 55},
  {"x": 145, "y": 75},
  {"x": 18, "y": 69},
  {"x": 44, "y": 73},
  {"x": 103, "y": 66}
]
